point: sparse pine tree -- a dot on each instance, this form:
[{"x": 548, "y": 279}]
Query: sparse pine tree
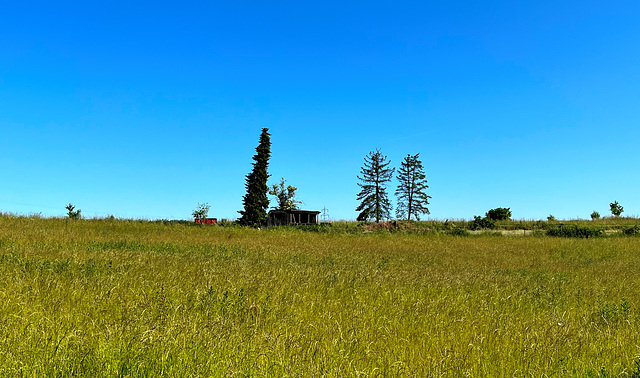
[
  {"x": 256, "y": 202},
  {"x": 412, "y": 199},
  {"x": 72, "y": 213},
  {"x": 374, "y": 203}
]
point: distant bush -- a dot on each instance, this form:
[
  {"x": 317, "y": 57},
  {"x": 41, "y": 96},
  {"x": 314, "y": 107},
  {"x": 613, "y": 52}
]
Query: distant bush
[
  {"x": 227, "y": 223},
  {"x": 595, "y": 215},
  {"x": 499, "y": 213},
  {"x": 631, "y": 230},
  {"x": 482, "y": 223},
  {"x": 616, "y": 208},
  {"x": 573, "y": 231},
  {"x": 457, "y": 231},
  {"x": 551, "y": 218}
]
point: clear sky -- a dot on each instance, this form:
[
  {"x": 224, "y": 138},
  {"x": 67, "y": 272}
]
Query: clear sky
[{"x": 143, "y": 109}]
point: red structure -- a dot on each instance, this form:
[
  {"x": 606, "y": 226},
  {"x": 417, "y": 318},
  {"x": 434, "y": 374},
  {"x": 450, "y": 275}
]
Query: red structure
[{"x": 207, "y": 221}]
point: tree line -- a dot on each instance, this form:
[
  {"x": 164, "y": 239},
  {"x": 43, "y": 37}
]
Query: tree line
[
  {"x": 412, "y": 199},
  {"x": 374, "y": 205},
  {"x": 375, "y": 175}
]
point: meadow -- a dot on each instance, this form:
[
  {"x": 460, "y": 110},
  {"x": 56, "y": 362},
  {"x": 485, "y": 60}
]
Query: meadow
[{"x": 109, "y": 297}]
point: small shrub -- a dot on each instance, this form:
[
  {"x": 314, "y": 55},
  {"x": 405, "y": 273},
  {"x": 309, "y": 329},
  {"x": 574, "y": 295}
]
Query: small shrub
[
  {"x": 551, "y": 218},
  {"x": 499, "y": 213},
  {"x": 482, "y": 223},
  {"x": 227, "y": 223},
  {"x": 595, "y": 215},
  {"x": 573, "y": 231},
  {"x": 631, "y": 230},
  {"x": 457, "y": 231}
]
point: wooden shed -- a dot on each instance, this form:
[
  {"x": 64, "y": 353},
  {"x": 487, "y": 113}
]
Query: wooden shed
[{"x": 292, "y": 217}]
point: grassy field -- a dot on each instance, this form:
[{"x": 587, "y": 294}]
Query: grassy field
[{"x": 132, "y": 298}]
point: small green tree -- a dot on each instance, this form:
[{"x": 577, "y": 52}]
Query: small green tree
[
  {"x": 595, "y": 215},
  {"x": 256, "y": 202},
  {"x": 202, "y": 211},
  {"x": 374, "y": 203},
  {"x": 616, "y": 209},
  {"x": 499, "y": 213},
  {"x": 72, "y": 213},
  {"x": 285, "y": 195}
]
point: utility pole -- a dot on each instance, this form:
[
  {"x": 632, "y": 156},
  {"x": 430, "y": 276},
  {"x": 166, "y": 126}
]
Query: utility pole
[{"x": 325, "y": 214}]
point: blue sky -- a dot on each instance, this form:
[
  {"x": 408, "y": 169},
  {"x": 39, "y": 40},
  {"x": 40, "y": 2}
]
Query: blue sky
[{"x": 144, "y": 109}]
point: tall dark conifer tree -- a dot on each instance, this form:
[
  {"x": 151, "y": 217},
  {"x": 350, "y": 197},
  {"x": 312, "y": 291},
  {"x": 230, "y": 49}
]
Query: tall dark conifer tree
[
  {"x": 412, "y": 200},
  {"x": 256, "y": 202},
  {"x": 374, "y": 203}
]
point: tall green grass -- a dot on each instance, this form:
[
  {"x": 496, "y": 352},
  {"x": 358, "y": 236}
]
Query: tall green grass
[{"x": 134, "y": 298}]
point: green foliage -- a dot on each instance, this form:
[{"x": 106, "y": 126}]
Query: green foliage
[
  {"x": 616, "y": 208},
  {"x": 73, "y": 214},
  {"x": 595, "y": 215},
  {"x": 609, "y": 313},
  {"x": 324, "y": 228},
  {"x": 457, "y": 231},
  {"x": 202, "y": 211},
  {"x": 631, "y": 230},
  {"x": 479, "y": 223},
  {"x": 574, "y": 231},
  {"x": 374, "y": 203},
  {"x": 285, "y": 196},
  {"x": 551, "y": 218},
  {"x": 255, "y": 201},
  {"x": 499, "y": 213},
  {"x": 412, "y": 199}
]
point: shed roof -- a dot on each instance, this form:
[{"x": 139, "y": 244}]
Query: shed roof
[{"x": 296, "y": 211}]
